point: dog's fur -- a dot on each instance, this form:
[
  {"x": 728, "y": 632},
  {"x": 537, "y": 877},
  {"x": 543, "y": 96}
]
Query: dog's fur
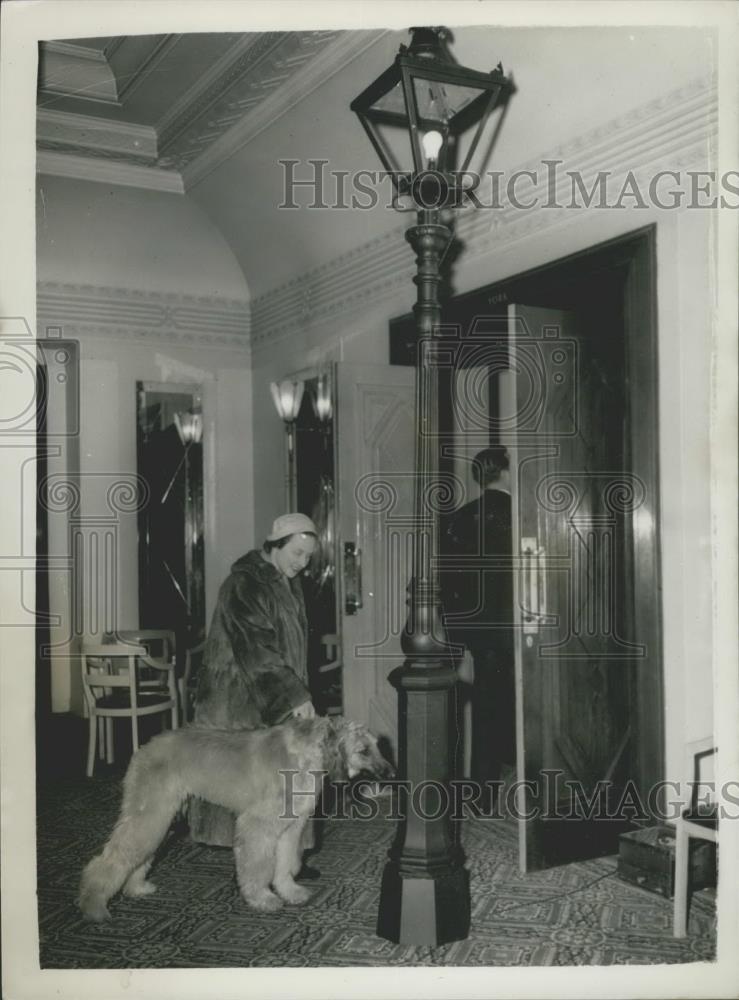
[{"x": 238, "y": 769}]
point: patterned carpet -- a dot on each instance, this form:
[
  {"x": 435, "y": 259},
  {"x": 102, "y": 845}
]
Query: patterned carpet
[{"x": 576, "y": 914}]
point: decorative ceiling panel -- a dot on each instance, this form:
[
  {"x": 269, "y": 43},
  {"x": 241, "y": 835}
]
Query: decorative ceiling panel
[
  {"x": 267, "y": 64},
  {"x": 182, "y": 92}
]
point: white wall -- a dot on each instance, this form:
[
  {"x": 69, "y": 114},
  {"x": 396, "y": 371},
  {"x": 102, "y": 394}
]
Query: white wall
[
  {"x": 151, "y": 292},
  {"x": 112, "y": 236}
]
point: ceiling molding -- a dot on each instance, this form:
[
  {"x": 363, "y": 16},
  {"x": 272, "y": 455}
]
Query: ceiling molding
[
  {"x": 150, "y": 61},
  {"x": 113, "y": 45},
  {"x": 674, "y": 132},
  {"x": 334, "y": 57},
  {"x": 205, "y": 90},
  {"x": 88, "y": 168},
  {"x": 85, "y": 132},
  {"x": 75, "y": 50},
  {"x": 67, "y": 70},
  {"x": 274, "y": 60}
]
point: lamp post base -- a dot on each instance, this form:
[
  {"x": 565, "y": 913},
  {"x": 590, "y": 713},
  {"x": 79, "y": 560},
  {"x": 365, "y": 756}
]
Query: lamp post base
[
  {"x": 427, "y": 909},
  {"x": 425, "y": 895}
]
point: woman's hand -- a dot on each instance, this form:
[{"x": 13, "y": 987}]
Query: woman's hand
[{"x": 304, "y": 711}]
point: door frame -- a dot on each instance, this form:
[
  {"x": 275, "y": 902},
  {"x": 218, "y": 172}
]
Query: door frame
[{"x": 634, "y": 255}]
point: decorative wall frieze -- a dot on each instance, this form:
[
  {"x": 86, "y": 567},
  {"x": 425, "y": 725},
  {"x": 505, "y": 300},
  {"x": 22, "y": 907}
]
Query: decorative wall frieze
[
  {"x": 138, "y": 316},
  {"x": 676, "y": 132}
]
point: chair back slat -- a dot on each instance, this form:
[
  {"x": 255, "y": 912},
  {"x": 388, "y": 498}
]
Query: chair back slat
[{"x": 113, "y": 649}]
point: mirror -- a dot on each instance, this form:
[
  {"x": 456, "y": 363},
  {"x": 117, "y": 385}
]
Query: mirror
[
  {"x": 171, "y": 553},
  {"x": 315, "y": 490}
]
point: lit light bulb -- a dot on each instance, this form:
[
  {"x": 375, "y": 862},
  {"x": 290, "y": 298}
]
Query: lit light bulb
[{"x": 432, "y": 142}]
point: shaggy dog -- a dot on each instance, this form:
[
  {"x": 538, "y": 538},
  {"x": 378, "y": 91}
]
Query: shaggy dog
[{"x": 241, "y": 770}]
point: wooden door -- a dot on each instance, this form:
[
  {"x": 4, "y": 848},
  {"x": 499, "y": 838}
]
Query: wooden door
[
  {"x": 574, "y": 665},
  {"x": 375, "y": 464}
]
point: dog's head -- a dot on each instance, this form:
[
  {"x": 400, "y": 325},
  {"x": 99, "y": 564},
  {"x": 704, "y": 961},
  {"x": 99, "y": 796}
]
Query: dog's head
[{"x": 359, "y": 753}]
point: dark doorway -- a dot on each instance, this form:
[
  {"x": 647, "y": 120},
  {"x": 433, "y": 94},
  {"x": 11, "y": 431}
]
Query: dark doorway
[{"x": 609, "y": 294}]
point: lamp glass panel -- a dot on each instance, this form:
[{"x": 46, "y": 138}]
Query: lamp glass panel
[
  {"x": 482, "y": 158},
  {"x": 435, "y": 101},
  {"x": 294, "y": 398},
  {"x": 440, "y": 102},
  {"x": 396, "y": 142},
  {"x": 287, "y": 396},
  {"x": 392, "y": 100}
]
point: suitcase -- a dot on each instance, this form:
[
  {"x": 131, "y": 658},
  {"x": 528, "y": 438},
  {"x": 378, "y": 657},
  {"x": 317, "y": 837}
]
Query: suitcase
[{"x": 647, "y": 858}]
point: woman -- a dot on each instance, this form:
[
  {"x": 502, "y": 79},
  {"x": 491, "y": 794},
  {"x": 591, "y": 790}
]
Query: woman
[{"x": 255, "y": 670}]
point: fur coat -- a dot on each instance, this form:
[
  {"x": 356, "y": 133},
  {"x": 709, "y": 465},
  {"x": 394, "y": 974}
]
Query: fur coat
[
  {"x": 255, "y": 664},
  {"x": 254, "y": 670}
]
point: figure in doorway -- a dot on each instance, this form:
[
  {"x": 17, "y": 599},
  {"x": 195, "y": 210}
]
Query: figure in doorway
[{"x": 479, "y": 604}]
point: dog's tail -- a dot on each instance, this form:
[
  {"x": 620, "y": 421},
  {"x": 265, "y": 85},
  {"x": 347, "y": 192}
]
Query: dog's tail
[{"x": 151, "y": 797}]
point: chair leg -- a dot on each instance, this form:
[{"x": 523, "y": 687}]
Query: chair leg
[
  {"x": 135, "y": 732},
  {"x": 109, "y": 740},
  {"x": 91, "y": 740},
  {"x": 680, "y": 909},
  {"x": 175, "y": 722}
]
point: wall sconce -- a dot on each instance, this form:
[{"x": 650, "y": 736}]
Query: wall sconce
[
  {"x": 323, "y": 403},
  {"x": 190, "y": 430},
  {"x": 287, "y": 396},
  {"x": 189, "y": 426}
]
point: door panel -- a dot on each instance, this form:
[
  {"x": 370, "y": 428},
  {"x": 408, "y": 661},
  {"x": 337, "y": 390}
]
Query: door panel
[
  {"x": 375, "y": 435},
  {"x": 573, "y": 667}
]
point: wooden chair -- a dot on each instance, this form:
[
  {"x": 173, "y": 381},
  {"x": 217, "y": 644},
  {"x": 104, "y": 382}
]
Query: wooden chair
[
  {"x": 160, "y": 644},
  {"x": 699, "y": 820},
  {"x": 112, "y": 689}
]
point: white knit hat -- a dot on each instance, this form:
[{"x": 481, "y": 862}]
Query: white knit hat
[{"x": 291, "y": 524}]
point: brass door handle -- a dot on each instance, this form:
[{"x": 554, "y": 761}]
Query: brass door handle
[
  {"x": 534, "y": 585},
  {"x": 529, "y": 590},
  {"x": 352, "y": 578}
]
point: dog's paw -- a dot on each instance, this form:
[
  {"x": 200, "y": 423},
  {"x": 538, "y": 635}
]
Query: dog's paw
[
  {"x": 96, "y": 912},
  {"x": 265, "y": 902},
  {"x": 294, "y": 894},
  {"x": 143, "y": 888}
]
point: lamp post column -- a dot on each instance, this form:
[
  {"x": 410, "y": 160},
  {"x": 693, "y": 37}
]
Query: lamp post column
[
  {"x": 425, "y": 888},
  {"x": 290, "y": 492}
]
